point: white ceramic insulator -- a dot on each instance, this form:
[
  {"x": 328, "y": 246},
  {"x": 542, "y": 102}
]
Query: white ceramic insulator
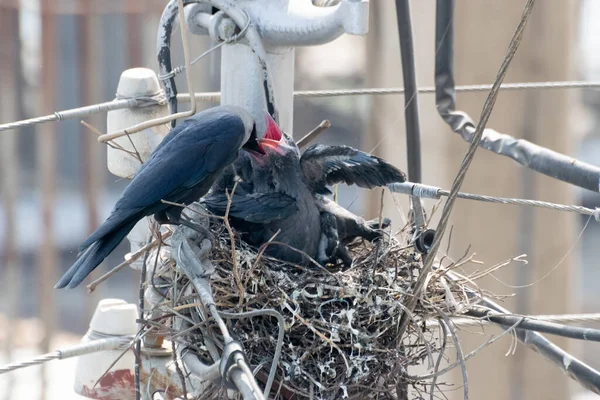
[
  {"x": 113, "y": 317},
  {"x": 135, "y": 83}
]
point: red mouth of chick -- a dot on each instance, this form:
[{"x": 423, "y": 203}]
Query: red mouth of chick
[{"x": 273, "y": 134}]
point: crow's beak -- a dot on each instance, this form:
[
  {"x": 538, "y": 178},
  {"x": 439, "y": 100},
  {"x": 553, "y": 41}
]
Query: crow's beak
[{"x": 273, "y": 134}]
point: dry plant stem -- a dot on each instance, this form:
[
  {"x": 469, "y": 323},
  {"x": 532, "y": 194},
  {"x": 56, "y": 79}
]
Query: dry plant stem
[
  {"x": 92, "y": 286},
  {"x": 440, "y": 357},
  {"x": 236, "y": 270},
  {"x": 135, "y": 150},
  {"x": 261, "y": 251},
  {"x": 277, "y": 355},
  {"x": 468, "y": 356},
  {"x": 378, "y": 245},
  {"x": 178, "y": 370},
  {"x": 188, "y": 75},
  {"x": 421, "y": 336},
  {"x": 116, "y": 360},
  {"x": 459, "y": 353},
  {"x": 112, "y": 144},
  {"x": 310, "y": 136},
  {"x": 488, "y": 106},
  {"x": 494, "y": 268},
  {"x": 138, "y": 344}
]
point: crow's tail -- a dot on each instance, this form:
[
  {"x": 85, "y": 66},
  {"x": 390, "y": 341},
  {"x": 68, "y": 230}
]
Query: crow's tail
[{"x": 93, "y": 256}]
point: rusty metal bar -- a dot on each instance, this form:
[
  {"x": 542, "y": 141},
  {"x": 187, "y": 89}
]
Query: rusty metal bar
[
  {"x": 46, "y": 142},
  {"x": 9, "y": 184},
  {"x": 89, "y": 41}
]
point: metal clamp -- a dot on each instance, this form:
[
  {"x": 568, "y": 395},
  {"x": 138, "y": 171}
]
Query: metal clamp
[
  {"x": 299, "y": 24},
  {"x": 229, "y": 361}
]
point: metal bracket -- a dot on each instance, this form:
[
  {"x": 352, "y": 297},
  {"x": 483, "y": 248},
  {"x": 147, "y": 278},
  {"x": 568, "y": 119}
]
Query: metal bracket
[{"x": 229, "y": 361}]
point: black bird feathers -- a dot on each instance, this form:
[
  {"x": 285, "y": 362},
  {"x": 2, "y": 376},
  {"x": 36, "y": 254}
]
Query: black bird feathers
[
  {"x": 255, "y": 203},
  {"x": 181, "y": 169},
  {"x": 328, "y": 165}
]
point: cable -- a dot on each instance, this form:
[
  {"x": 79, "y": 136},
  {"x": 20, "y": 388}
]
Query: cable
[
  {"x": 215, "y": 97},
  {"x": 463, "y": 88},
  {"x": 409, "y": 77},
  {"x": 280, "y": 337},
  {"x": 563, "y": 318},
  {"x": 432, "y": 192},
  {"x": 411, "y": 301},
  {"x": 531, "y": 323},
  {"x": 112, "y": 343},
  {"x": 582, "y": 373}
]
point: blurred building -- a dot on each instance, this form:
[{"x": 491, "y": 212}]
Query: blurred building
[{"x": 95, "y": 41}]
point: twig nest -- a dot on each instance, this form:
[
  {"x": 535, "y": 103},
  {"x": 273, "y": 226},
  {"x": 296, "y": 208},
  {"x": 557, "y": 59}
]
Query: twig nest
[{"x": 341, "y": 337}]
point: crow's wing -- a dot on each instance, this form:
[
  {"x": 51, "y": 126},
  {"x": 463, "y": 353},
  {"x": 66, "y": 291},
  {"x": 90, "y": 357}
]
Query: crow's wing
[
  {"x": 241, "y": 168},
  {"x": 198, "y": 152},
  {"x": 327, "y": 165},
  {"x": 259, "y": 208}
]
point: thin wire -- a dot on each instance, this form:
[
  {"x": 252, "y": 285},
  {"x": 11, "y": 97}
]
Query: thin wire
[
  {"x": 432, "y": 192},
  {"x": 563, "y": 318},
  {"x": 547, "y": 274},
  {"x": 463, "y": 88},
  {"x": 280, "y": 337},
  {"x": 86, "y": 111},
  {"x": 34, "y": 361},
  {"x": 163, "y": 120},
  {"x": 111, "y": 343},
  {"x": 232, "y": 39},
  {"x": 531, "y": 324}
]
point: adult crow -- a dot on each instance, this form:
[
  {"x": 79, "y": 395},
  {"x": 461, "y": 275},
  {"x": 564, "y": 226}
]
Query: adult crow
[
  {"x": 181, "y": 169},
  {"x": 283, "y": 190}
]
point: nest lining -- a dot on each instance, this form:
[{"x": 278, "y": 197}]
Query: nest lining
[{"x": 341, "y": 337}]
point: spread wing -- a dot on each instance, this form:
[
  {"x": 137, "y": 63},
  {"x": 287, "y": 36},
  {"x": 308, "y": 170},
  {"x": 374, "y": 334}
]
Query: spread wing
[
  {"x": 327, "y": 165},
  {"x": 260, "y": 208}
]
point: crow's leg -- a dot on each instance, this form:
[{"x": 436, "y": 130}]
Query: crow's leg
[
  {"x": 368, "y": 230},
  {"x": 162, "y": 218},
  {"x": 330, "y": 247},
  {"x": 374, "y": 223},
  {"x": 329, "y": 239},
  {"x": 201, "y": 229},
  {"x": 175, "y": 217},
  {"x": 343, "y": 254}
]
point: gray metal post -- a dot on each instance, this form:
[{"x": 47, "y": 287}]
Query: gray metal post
[{"x": 283, "y": 25}]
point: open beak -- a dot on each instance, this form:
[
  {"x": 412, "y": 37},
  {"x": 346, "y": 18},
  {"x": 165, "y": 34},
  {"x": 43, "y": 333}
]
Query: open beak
[
  {"x": 273, "y": 135},
  {"x": 252, "y": 145}
]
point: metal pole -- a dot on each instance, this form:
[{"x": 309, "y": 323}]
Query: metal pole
[
  {"x": 411, "y": 106},
  {"x": 89, "y": 41}
]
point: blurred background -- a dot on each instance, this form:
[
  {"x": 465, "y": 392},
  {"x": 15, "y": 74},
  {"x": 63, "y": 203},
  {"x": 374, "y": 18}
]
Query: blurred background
[{"x": 55, "y": 187}]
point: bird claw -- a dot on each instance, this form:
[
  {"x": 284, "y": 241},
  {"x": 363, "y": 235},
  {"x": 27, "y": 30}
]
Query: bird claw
[
  {"x": 371, "y": 231},
  {"x": 340, "y": 253},
  {"x": 204, "y": 232},
  {"x": 374, "y": 223}
]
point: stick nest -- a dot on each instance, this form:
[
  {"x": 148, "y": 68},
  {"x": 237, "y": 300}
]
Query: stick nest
[{"x": 341, "y": 327}]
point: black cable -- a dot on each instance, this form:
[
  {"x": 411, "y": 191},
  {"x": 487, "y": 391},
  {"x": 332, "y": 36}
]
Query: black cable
[
  {"x": 163, "y": 43},
  {"x": 411, "y": 107},
  {"x": 532, "y": 324},
  {"x": 532, "y": 156}
]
